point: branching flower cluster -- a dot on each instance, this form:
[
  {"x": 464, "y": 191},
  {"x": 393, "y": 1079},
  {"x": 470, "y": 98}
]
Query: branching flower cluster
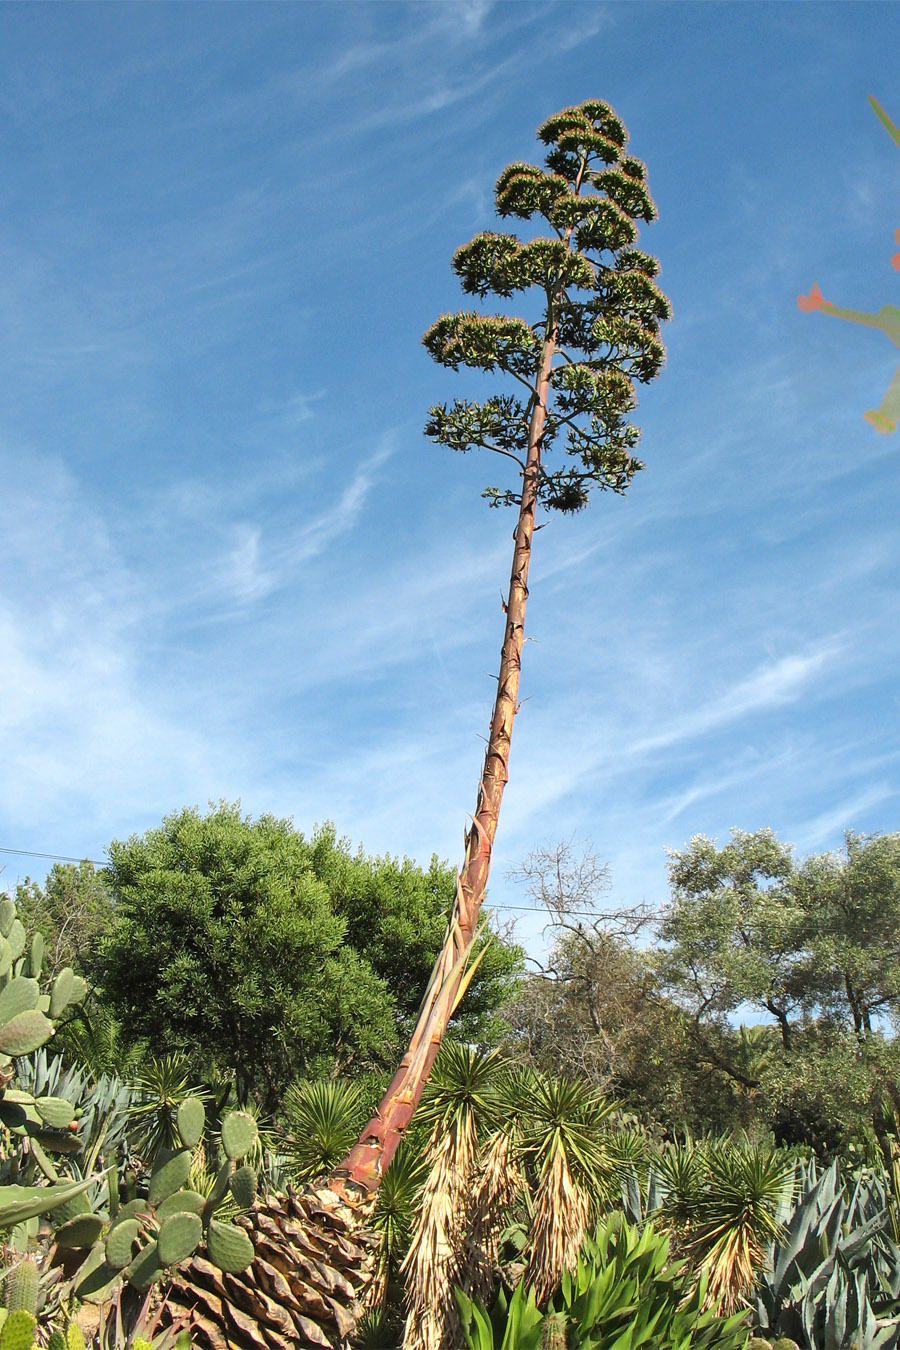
[{"x": 598, "y": 328}]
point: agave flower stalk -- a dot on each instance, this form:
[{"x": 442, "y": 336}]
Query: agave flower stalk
[{"x": 596, "y": 332}]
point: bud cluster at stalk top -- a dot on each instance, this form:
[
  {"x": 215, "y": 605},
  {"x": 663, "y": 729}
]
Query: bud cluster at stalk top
[{"x": 599, "y": 321}]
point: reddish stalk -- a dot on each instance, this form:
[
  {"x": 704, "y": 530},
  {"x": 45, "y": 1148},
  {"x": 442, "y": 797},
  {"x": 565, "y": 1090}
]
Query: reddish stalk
[{"x": 370, "y": 1156}]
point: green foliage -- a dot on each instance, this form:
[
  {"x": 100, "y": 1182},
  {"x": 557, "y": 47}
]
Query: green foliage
[
  {"x": 565, "y": 1116},
  {"x": 260, "y": 953},
  {"x": 395, "y": 1209},
  {"x": 811, "y": 945},
  {"x": 324, "y": 1120},
  {"x": 162, "y": 1086},
  {"x": 396, "y": 917},
  {"x": 625, "y": 1292},
  {"x": 597, "y": 329},
  {"x": 71, "y": 910}
]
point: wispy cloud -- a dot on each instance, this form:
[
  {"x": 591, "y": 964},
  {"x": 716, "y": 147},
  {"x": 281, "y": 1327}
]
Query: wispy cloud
[{"x": 770, "y": 686}]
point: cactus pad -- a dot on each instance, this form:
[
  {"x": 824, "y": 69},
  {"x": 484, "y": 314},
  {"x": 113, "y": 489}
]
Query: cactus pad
[
  {"x": 179, "y": 1236},
  {"x": 229, "y": 1247},
  {"x": 120, "y": 1243},
  {"x": 190, "y": 1121},
  {"x": 6, "y": 956},
  {"x": 239, "y": 1133},
  {"x": 169, "y": 1175},
  {"x": 219, "y": 1190},
  {"x": 20, "y": 995},
  {"x": 55, "y": 1111},
  {"x": 82, "y": 1231},
  {"x": 79, "y": 1204},
  {"x": 96, "y": 1277},
  {"x": 144, "y": 1270},
  {"x": 7, "y": 914},
  {"x": 17, "y": 1332},
  {"x": 182, "y": 1202},
  {"x": 16, "y": 938},
  {"x": 24, "y": 1032},
  {"x": 134, "y": 1209},
  {"x": 36, "y": 956},
  {"x": 243, "y": 1186},
  {"x": 56, "y": 1340},
  {"x": 61, "y": 991}
]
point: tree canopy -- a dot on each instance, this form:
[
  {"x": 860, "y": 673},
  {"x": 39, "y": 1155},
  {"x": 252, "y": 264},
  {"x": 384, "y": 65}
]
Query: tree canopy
[
  {"x": 767, "y": 996},
  {"x": 256, "y": 949}
]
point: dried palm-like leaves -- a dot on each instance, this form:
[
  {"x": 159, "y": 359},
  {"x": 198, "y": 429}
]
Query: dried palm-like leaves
[
  {"x": 565, "y": 1145},
  {"x": 561, "y": 1211},
  {"x": 460, "y": 1103},
  {"x": 497, "y": 1182},
  {"x": 744, "y": 1188},
  {"x": 431, "y": 1264}
]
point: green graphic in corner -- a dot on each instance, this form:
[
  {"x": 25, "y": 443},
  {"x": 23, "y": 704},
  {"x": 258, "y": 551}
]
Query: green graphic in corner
[{"x": 883, "y": 418}]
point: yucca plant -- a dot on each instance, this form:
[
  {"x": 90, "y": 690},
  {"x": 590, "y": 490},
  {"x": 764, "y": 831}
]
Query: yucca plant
[
  {"x": 744, "y": 1190},
  {"x": 161, "y": 1084},
  {"x": 460, "y": 1105},
  {"x": 498, "y": 1182},
  {"x": 324, "y": 1120},
  {"x": 722, "y": 1198},
  {"x": 565, "y": 1146}
]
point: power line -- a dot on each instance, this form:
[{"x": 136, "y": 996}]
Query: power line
[
  {"x": 54, "y": 857},
  {"x": 62, "y": 857}
]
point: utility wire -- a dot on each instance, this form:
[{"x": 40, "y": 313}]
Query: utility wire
[
  {"x": 55, "y": 857},
  {"x": 62, "y": 857}
]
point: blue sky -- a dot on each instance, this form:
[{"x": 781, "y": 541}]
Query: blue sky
[{"x": 234, "y": 568}]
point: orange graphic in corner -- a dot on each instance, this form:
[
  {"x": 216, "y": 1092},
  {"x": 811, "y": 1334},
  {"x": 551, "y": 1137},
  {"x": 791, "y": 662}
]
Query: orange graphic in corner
[{"x": 883, "y": 418}]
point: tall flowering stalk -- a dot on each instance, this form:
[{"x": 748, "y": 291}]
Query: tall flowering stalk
[{"x": 595, "y": 333}]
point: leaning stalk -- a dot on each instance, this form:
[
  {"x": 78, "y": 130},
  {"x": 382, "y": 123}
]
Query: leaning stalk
[{"x": 371, "y": 1155}]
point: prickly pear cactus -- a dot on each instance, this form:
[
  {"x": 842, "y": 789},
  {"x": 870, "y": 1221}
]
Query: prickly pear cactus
[
  {"x": 140, "y": 1241},
  {"x": 45, "y": 1124}
]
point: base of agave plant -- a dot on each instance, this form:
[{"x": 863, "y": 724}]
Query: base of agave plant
[{"x": 314, "y": 1263}]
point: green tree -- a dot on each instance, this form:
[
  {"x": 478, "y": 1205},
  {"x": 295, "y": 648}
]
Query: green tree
[
  {"x": 853, "y": 903},
  {"x": 736, "y": 932},
  {"x": 72, "y": 910},
  {"x": 241, "y": 942},
  {"x": 593, "y": 332},
  {"x": 411, "y": 905},
  {"x": 813, "y": 945}
]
